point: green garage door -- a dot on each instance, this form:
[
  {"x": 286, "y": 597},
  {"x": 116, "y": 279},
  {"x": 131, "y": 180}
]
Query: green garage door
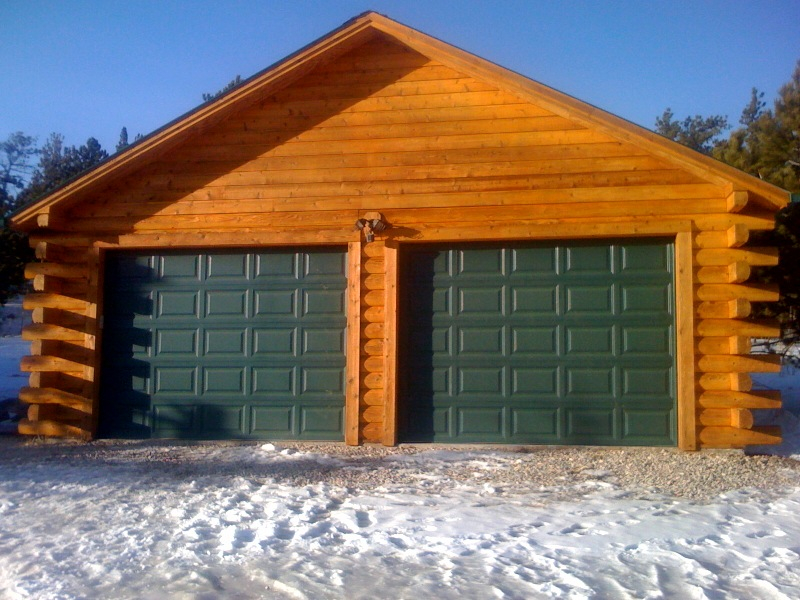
[
  {"x": 545, "y": 344},
  {"x": 239, "y": 345}
]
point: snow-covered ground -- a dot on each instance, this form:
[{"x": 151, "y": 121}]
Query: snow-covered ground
[
  {"x": 229, "y": 526},
  {"x": 116, "y": 531}
]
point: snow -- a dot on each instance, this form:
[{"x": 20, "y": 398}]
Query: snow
[
  {"x": 11, "y": 380},
  {"x": 788, "y": 382},
  {"x": 120, "y": 529}
]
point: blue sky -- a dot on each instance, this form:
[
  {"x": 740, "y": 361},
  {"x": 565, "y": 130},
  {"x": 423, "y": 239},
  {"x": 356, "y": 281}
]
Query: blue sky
[{"x": 86, "y": 68}]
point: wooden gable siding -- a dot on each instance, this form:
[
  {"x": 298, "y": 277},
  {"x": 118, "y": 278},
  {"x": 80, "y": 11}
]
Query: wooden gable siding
[
  {"x": 444, "y": 157},
  {"x": 400, "y": 133}
]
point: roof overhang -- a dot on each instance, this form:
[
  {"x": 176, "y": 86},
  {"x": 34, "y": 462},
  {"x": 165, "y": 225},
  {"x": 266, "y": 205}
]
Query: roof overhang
[{"x": 350, "y": 35}]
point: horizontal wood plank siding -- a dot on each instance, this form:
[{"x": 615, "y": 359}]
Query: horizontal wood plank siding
[{"x": 398, "y": 132}]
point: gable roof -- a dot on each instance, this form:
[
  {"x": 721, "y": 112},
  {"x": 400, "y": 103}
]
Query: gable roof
[{"x": 352, "y": 34}]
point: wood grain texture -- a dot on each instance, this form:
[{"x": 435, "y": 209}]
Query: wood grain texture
[
  {"x": 62, "y": 270},
  {"x": 737, "y": 272},
  {"x": 74, "y": 352},
  {"x": 30, "y": 364},
  {"x": 734, "y": 237},
  {"x": 61, "y": 299},
  {"x": 391, "y": 337},
  {"x": 374, "y": 314},
  {"x": 55, "y": 396},
  {"x": 739, "y": 382},
  {"x": 46, "y": 331},
  {"x": 737, "y": 308},
  {"x": 752, "y": 256},
  {"x": 759, "y": 363},
  {"x": 57, "y": 316},
  {"x": 52, "y": 252},
  {"x": 751, "y": 292},
  {"x": 69, "y": 382},
  {"x": 755, "y": 221},
  {"x": 740, "y": 418},
  {"x": 740, "y": 399},
  {"x": 372, "y": 432},
  {"x": 737, "y": 235},
  {"x": 51, "y": 429},
  {"x": 724, "y": 345},
  {"x": 373, "y": 347},
  {"x": 737, "y": 200},
  {"x": 685, "y": 360},
  {"x": 733, "y": 437},
  {"x": 729, "y": 327},
  {"x": 373, "y": 381},
  {"x": 373, "y": 397},
  {"x": 353, "y": 345},
  {"x": 92, "y": 340}
]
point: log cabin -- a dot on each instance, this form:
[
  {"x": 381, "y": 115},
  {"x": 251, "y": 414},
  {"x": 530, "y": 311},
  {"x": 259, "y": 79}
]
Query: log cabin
[{"x": 383, "y": 238}]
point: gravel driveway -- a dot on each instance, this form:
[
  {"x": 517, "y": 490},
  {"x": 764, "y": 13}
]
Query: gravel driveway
[{"x": 698, "y": 476}]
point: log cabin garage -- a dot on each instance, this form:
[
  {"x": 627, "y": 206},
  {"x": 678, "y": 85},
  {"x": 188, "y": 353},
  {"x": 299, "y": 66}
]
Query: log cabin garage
[{"x": 383, "y": 238}]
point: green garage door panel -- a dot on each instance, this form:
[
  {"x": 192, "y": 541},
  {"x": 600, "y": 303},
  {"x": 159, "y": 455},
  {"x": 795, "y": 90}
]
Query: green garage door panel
[
  {"x": 568, "y": 344},
  {"x": 243, "y": 345}
]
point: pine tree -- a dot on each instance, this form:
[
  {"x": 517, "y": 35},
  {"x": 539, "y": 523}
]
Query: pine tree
[
  {"x": 16, "y": 154},
  {"x": 15, "y": 253},
  {"x": 768, "y": 146},
  {"x": 779, "y": 158},
  {"x": 123, "y": 140},
  {"x": 699, "y": 133},
  {"x": 59, "y": 164}
]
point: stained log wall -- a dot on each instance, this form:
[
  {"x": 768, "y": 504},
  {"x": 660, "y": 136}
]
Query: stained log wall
[{"x": 443, "y": 157}]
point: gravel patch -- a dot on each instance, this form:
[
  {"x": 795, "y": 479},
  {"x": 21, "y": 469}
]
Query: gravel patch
[{"x": 570, "y": 471}]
